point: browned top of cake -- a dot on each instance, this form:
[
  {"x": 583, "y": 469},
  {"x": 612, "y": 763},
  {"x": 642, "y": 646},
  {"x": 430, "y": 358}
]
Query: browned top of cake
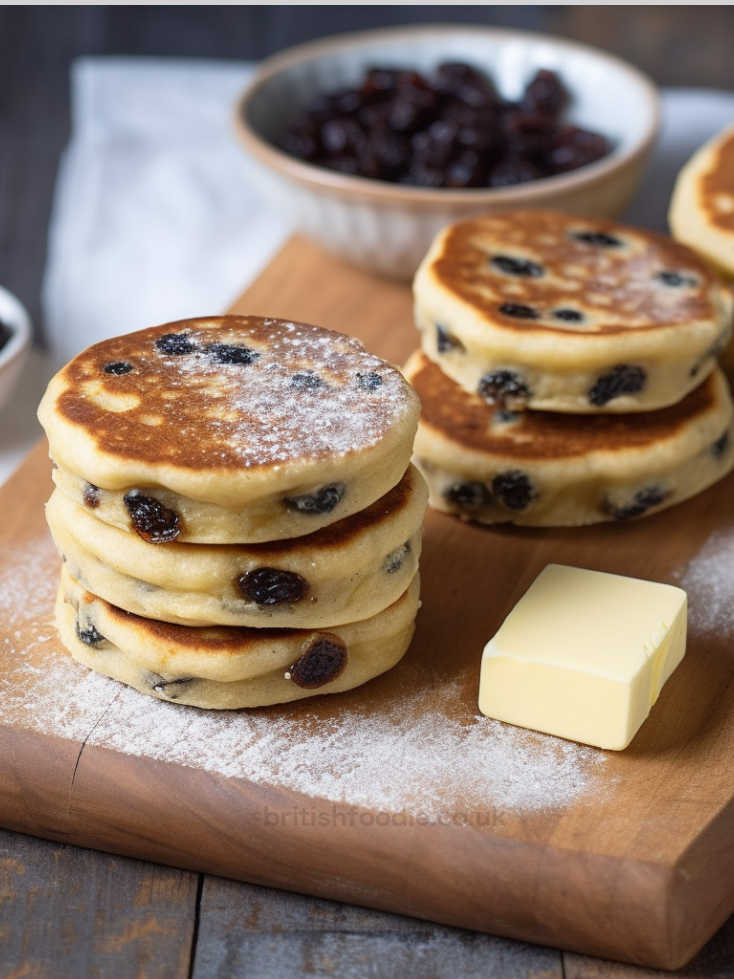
[
  {"x": 546, "y": 271},
  {"x": 468, "y": 421},
  {"x": 232, "y": 392},
  {"x": 717, "y": 186}
]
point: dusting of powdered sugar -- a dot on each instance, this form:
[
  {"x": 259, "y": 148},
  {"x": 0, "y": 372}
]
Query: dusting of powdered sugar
[
  {"x": 298, "y": 392},
  {"x": 409, "y": 756},
  {"x": 40, "y": 685},
  {"x": 708, "y": 580}
]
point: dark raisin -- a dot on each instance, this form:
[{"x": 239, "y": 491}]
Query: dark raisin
[
  {"x": 322, "y": 662},
  {"x": 465, "y": 171},
  {"x": 301, "y": 144},
  {"x": 88, "y": 634},
  {"x": 446, "y": 341},
  {"x": 518, "y": 311},
  {"x": 640, "y": 503},
  {"x": 272, "y": 586},
  {"x": 225, "y": 353},
  {"x": 529, "y": 133},
  {"x": 597, "y": 238},
  {"x": 435, "y": 145},
  {"x": 117, "y": 367},
  {"x": 411, "y": 109},
  {"x": 345, "y": 100},
  {"x": 720, "y": 446},
  {"x": 517, "y": 266},
  {"x": 395, "y": 559},
  {"x": 370, "y": 381},
  {"x": 323, "y": 500},
  {"x": 175, "y": 344},
  {"x": 545, "y": 94},
  {"x": 505, "y": 417},
  {"x": 169, "y": 688},
  {"x": 513, "y": 488},
  {"x": 568, "y": 315},
  {"x": 91, "y": 496},
  {"x": 306, "y": 381},
  {"x": 675, "y": 279},
  {"x": 468, "y": 496},
  {"x": 465, "y": 83},
  {"x": 573, "y": 147},
  {"x": 499, "y": 387},
  {"x": 154, "y": 522},
  {"x": 340, "y": 135},
  {"x": 380, "y": 80},
  {"x": 513, "y": 170},
  {"x": 5, "y": 333},
  {"x": 622, "y": 379}
]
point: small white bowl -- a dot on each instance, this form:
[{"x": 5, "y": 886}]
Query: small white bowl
[
  {"x": 387, "y": 228},
  {"x": 13, "y": 355}
]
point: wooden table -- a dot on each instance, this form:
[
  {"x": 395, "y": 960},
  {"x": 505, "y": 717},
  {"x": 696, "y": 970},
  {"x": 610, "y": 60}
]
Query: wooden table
[{"x": 73, "y": 912}]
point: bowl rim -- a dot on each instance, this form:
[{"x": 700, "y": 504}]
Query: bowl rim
[
  {"x": 14, "y": 313},
  {"x": 344, "y": 185}
]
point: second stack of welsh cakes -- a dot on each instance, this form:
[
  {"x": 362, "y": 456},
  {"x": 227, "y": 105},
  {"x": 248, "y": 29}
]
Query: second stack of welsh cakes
[
  {"x": 236, "y": 508},
  {"x": 568, "y": 370}
]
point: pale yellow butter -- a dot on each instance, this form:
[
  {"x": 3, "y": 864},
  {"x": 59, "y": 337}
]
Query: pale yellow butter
[{"x": 584, "y": 655}]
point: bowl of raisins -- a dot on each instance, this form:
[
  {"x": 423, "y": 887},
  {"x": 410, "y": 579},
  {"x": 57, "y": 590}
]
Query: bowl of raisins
[
  {"x": 15, "y": 340},
  {"x": 372, "y": 142}
]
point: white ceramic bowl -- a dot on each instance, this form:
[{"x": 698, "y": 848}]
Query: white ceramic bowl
[
  {"x": 13, "y": 355},
  {"x": 386, "y": 227}
]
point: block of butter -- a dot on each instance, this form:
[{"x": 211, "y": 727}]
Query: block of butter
[{"x": 584, "y": 655}]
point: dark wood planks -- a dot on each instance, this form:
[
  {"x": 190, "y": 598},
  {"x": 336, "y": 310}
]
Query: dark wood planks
[
  {"x": 246, "y": 930},
  {"x": 65, "y": 911},
  {"x": 714, "y": 961},
  {"x": 69, "y": 911}
]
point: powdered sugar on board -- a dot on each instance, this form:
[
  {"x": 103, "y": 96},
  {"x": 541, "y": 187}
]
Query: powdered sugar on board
[
  {"x": 409, "y": 757},
  {"x": 40, "y": 686},
  {"x": 709, "y": 581}
]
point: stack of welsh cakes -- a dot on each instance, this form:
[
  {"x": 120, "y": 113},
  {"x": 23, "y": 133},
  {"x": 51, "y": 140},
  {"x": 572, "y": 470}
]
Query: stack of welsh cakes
[
  {"x": 236, "y": 510},
  {"x": 568, "y": 371}
]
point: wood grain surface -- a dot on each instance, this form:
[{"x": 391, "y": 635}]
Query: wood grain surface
[{"x": 642, "y": 870}]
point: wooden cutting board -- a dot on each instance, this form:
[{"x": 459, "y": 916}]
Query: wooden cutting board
[{"x": 399, "y": 795}]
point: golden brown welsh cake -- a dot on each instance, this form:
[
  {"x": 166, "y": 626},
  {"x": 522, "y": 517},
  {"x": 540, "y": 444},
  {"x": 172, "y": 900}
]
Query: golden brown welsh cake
[
  {"x": 702, "y": 206},
  {"x": 540, "y": 310},
  {"x": 702, "y": 209},
  {"x": 491, "y": 465},
  {"x": 228, "y": 428},
  {"x": 226, "y": 667}
]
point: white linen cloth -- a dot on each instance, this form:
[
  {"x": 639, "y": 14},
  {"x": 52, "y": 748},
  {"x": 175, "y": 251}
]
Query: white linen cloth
[{"x": 155, "y": 215}]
